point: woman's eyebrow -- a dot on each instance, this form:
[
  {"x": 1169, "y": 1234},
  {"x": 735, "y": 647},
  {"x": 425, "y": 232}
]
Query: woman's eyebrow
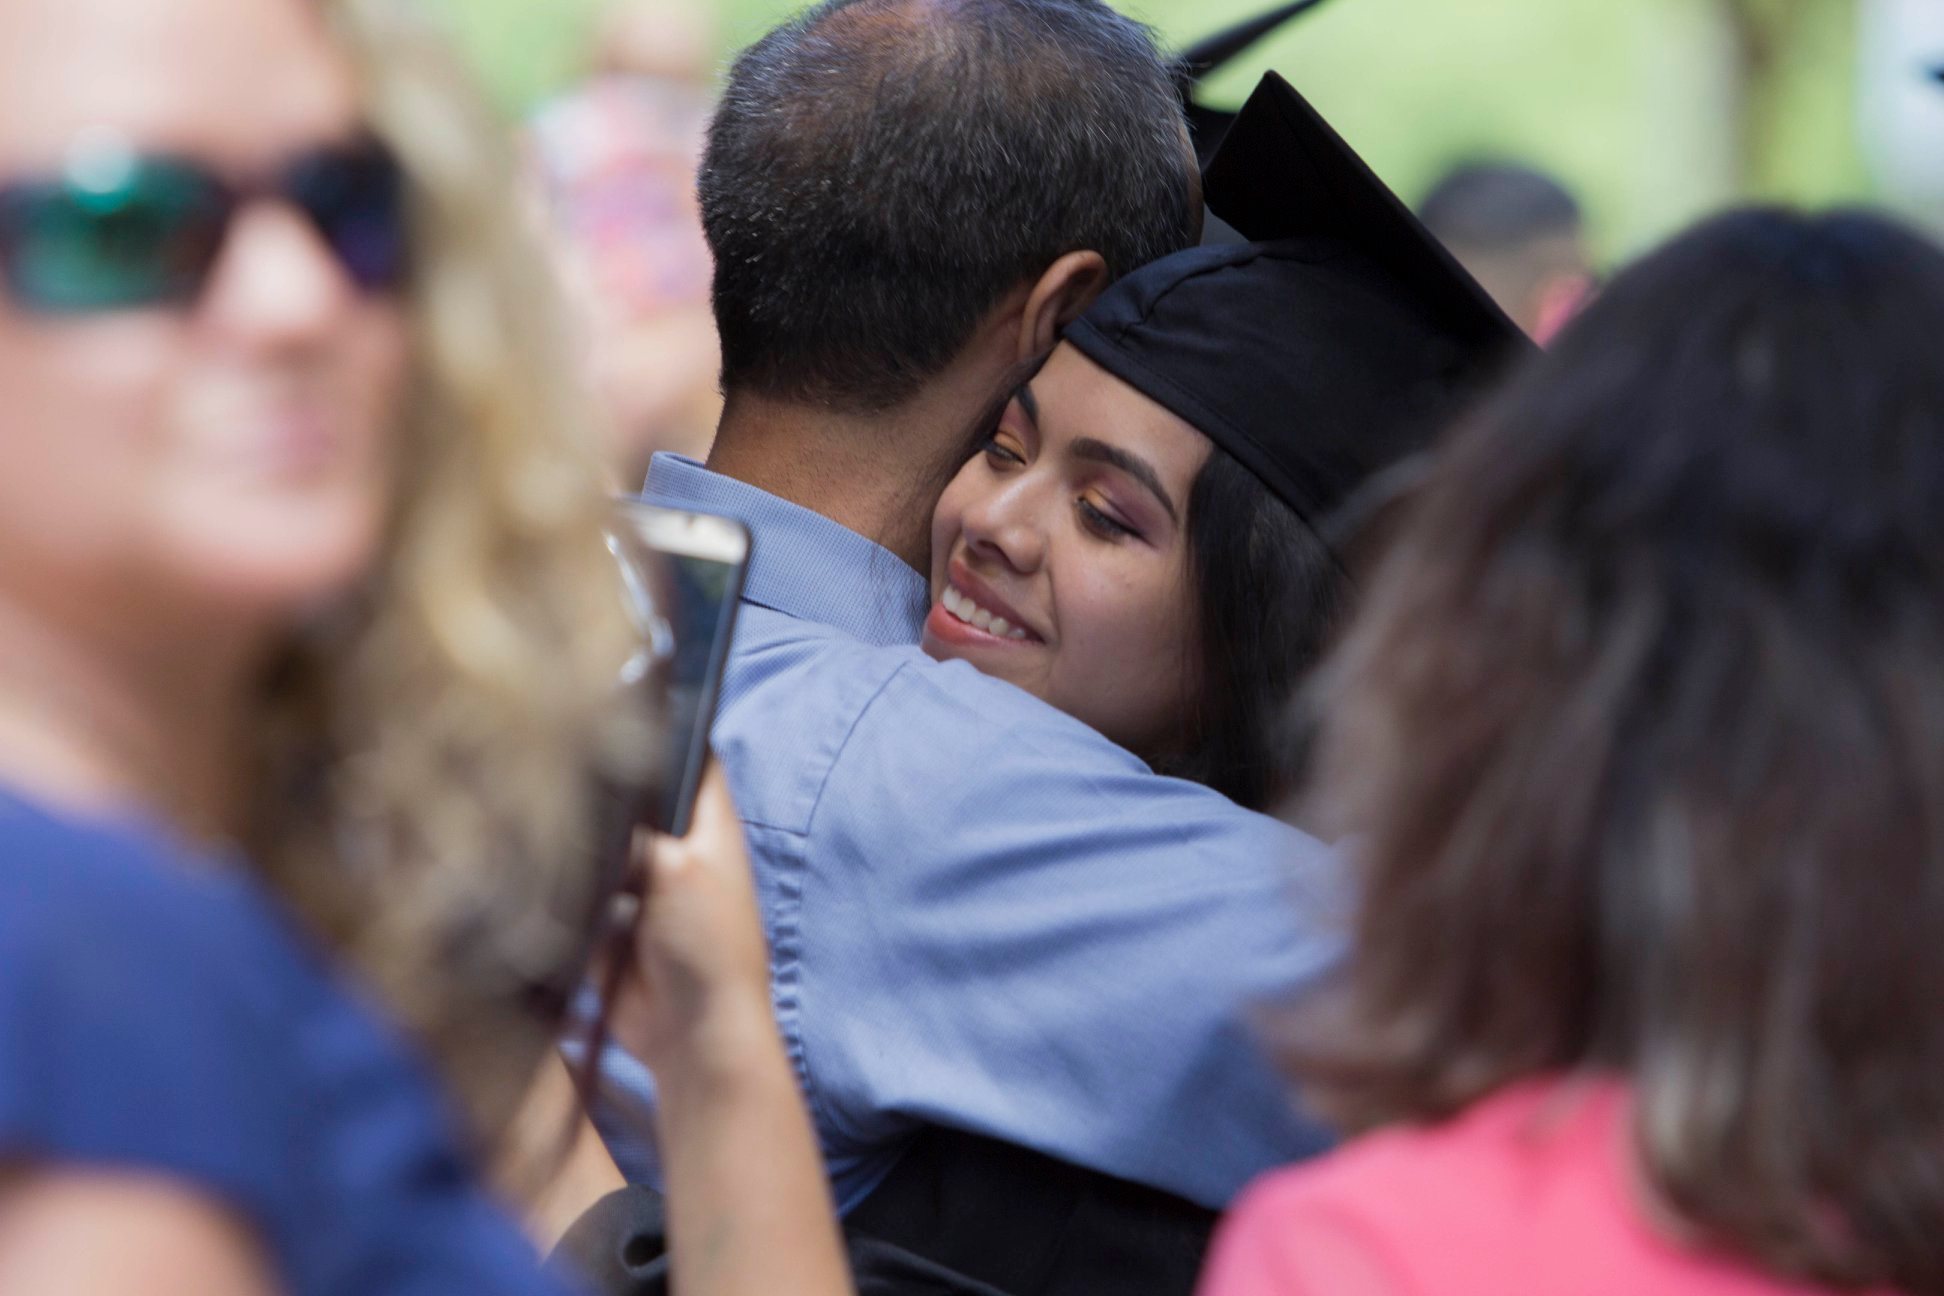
[{"x": 1131, "y": 464}]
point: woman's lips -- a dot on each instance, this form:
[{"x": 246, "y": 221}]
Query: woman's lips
[
  {"x": 941, "y": 626},
  {"x": 969, "y": 614},
  {"x": 970, "y": 597}
]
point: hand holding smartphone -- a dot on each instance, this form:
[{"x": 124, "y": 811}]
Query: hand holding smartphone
[
  {"x": 683, "y": 574},
  {"x": 681, "y": 577}
]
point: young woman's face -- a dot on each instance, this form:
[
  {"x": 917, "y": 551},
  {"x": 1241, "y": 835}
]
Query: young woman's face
[
  {"x": 227, "y": 454},
  {"x": 1060, "y": 554}
]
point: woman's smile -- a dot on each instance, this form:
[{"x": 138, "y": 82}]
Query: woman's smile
[{"x": 970, "y": 613}]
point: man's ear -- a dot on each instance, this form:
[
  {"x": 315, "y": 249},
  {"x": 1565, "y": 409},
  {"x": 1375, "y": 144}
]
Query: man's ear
[{"x": 1059, "y": 297}]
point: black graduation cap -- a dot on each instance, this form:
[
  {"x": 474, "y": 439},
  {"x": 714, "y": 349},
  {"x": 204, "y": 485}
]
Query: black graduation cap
[
  {"x": 1208, "y": 125},
  {"x": 1331, "y": 346}
]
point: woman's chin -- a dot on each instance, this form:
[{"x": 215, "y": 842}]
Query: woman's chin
[
  {"x": 276, "y": 572},
  {"x": 942, "y": 650}
]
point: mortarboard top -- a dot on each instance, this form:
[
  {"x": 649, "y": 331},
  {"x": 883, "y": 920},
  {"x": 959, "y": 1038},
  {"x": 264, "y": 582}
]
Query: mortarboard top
[
  {"x": 1283, "y": 171},
  {"x": 1330, "y": 347}
]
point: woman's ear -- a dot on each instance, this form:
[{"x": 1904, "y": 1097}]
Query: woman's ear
[{"x": 1060, "y": 296}]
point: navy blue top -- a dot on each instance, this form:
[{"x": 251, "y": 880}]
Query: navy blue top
[{"x": 159, "y": 1013}]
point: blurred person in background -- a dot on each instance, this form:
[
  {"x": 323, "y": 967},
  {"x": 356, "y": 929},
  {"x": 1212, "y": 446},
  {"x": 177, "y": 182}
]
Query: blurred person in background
[
  {"x": 1521, "y": 234},
  {"x": 615, "y": 160},
  {"x": 1642, "y": 731},
  {"x": 1898, "y": 114},
  {"x": 308, "y": 640}
]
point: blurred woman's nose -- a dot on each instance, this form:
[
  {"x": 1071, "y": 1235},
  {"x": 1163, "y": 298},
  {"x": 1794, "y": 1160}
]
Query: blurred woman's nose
[
  {"x": 277, "y": 284},
  {"x": 1007, "y": 523}
]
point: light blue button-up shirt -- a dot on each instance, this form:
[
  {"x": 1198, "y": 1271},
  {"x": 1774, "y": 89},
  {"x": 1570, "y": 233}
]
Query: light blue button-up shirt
[{"x": 981, "y": 913}]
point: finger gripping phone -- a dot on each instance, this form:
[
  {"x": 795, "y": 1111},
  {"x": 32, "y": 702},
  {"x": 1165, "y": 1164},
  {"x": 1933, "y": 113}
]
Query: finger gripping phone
[{"x": 682, "y": 575}]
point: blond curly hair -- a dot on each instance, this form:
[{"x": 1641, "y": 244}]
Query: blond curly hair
[{"x": 436, "y": 744}]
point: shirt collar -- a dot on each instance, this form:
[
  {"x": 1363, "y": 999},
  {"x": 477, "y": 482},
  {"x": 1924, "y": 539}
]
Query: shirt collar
[{"x": 801, "y": 563}]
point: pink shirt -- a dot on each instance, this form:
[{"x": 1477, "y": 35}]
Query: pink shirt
[{"x": 1525, "y": 1193}]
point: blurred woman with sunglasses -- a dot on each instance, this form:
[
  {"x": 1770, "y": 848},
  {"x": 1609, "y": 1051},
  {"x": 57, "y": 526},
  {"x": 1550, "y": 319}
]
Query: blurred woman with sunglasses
[
  {"x": 301, "y": 579},
  {"x": 1642, "y": 727}
]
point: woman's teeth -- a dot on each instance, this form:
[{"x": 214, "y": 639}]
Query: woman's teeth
[{"x": 964, "y": 609}]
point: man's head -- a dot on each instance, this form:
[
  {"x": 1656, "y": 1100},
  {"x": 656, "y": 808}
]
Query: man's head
[
  {"x": 883, "y": 175},
  {"x": 1520, "y": 234}
]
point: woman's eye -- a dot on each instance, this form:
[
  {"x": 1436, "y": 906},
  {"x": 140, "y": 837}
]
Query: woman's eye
[
  {"x": 998, "y": 452},
  {"x": 1102, "y": 524}
]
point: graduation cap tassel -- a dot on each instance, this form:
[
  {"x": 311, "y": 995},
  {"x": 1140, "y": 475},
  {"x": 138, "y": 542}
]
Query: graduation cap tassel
[{"x": 1211, "y": 53}]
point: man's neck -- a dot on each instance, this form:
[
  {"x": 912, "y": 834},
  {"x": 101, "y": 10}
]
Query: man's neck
[{"x": 878, "y": 474}]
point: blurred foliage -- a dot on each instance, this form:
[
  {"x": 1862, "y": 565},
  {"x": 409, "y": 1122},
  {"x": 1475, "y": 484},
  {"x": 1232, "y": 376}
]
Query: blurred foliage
[{"x": 1652, "y": 110}]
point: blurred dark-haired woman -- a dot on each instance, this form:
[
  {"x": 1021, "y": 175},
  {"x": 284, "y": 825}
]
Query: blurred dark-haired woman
[{"x": 1642, "y": 730}]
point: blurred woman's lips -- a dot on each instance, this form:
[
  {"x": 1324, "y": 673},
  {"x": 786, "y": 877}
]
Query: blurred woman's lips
[
  {"x": 280, "y": 439},
  {"x": 298, "y": 443}
]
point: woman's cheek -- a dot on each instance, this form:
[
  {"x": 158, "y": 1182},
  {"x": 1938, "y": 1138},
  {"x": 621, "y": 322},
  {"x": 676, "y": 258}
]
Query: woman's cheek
[
  {"x": 947, "y": 523},
  {"x": 1106, "y": 622}
]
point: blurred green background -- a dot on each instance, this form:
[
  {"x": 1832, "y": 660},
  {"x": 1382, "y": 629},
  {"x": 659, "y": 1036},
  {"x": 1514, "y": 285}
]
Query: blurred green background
[{"x": 1652, "y": 110}]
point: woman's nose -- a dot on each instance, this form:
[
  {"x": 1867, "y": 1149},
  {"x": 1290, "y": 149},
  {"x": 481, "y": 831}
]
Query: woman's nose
[
  {"x": 1008, "y": 524},
  {"x": 277, "y": 284}
]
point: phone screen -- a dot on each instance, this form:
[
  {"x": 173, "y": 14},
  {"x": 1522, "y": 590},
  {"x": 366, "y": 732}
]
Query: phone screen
[
  {"x": 702, "y": 607},
  {"x": 683, "y": 575}
]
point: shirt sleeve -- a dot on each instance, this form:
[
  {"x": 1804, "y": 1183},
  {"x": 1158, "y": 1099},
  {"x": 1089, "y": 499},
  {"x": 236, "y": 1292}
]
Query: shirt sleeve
[{"x": 1074, "y": 950}]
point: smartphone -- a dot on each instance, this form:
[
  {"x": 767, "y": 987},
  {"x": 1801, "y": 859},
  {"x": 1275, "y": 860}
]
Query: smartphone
[{"x": 682, "y": 577}]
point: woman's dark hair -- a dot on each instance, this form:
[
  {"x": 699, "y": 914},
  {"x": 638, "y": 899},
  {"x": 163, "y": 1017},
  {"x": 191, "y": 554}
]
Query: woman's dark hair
[
  {"x": 1268, "y": 595},
  {"x": 1641, "y": 728}
]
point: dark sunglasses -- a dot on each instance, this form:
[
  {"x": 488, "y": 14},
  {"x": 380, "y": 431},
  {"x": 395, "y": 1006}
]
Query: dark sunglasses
[{"x": 119, "y": 229}]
